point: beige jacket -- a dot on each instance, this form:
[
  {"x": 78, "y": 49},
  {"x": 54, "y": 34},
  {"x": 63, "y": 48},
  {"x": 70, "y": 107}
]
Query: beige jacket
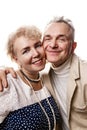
[{"x": 77, "y": 93}]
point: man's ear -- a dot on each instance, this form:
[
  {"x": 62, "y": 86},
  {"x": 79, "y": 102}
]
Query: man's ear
[{"x": 74, "y": 45}]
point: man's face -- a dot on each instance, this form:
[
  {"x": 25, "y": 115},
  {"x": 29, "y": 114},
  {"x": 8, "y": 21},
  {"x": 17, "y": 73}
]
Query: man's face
[{"x": 57, "y": 45}]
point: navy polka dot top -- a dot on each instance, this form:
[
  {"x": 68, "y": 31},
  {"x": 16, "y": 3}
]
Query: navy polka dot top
[
  {"x": 19, "y": 110},
  {"x": 31, "y": 117}
]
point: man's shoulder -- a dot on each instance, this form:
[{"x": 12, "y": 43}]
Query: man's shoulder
[
  {"x": 76, "y": 58},
  {"x": 79, "y": 63},
  {"x": 83, "y": 62}
]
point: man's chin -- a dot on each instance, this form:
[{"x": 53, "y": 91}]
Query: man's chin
[{"x": 51, "y": 61}]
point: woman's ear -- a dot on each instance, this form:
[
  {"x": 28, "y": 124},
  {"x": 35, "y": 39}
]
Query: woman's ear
[{"x": 15, "y": 59}]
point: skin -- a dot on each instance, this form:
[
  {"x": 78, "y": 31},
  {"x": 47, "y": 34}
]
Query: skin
[
  {"x": 58, "y": 47},
  {"x": 57, "y": 52},
  {"x": 29, "y": 56}
]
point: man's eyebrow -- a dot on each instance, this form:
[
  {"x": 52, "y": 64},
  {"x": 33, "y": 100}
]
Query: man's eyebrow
[
  {"x": 62, "y": 35},
  {"x": 47, "y": 35}
]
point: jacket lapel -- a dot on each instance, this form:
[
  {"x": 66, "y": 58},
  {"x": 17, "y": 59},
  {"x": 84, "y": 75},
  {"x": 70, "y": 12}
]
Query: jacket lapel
[{"x": 74, "y": 74}]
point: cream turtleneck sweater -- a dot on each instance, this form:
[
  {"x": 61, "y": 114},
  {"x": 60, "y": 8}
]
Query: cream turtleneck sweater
[{"x": 59, "y": 79}]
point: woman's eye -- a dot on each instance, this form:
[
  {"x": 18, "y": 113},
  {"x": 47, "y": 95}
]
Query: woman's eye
[
  {"x": 26, "y": 51},
  {"x": 38, "y": 45}
]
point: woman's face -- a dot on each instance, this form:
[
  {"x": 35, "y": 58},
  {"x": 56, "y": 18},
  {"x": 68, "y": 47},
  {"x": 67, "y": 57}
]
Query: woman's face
[{"x": 30, "y": 54}]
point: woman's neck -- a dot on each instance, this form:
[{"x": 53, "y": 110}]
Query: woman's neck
[
  {"x": 31, "y": 75},
  {"x": 35, "y": 83}
]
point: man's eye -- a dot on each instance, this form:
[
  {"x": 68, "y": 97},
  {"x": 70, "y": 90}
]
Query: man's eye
[
  {"x": 62, "y": 39},
  {"x": 46, "y": 38}
]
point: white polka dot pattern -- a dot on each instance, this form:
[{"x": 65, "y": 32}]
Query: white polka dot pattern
[{"x": 31, "y": 117}]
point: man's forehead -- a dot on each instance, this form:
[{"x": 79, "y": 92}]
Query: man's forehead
[{"x": 56, "y": 30}]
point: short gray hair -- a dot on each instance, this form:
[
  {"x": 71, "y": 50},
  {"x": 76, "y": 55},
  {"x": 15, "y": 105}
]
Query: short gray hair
[{"x": 68, "y": 22}]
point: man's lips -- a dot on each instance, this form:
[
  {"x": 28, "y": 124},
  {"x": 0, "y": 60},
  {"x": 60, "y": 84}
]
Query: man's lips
[{"x": 53, "y": 51}]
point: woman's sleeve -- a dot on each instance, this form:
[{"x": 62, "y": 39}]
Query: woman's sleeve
[{"x": 5, "y": 103}]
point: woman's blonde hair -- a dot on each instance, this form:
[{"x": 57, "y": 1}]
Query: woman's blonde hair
[{"x": 29, "y": 32}]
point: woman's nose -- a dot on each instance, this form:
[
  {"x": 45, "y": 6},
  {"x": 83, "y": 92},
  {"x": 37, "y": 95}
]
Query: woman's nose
[{"x": 34, "y": 53}]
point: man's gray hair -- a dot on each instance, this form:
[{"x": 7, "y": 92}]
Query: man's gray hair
[{"x": 66, "y": 21}]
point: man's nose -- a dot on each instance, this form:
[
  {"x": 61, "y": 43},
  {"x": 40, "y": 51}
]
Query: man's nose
[{"x": 53, "y": 43}]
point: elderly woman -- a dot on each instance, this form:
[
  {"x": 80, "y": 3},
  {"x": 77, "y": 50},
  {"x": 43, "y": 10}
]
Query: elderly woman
[{"x": 27, "y": 104}]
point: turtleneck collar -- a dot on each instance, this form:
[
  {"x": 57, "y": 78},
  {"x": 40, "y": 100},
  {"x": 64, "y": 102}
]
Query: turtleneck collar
[{"x": 63, "y": 69}]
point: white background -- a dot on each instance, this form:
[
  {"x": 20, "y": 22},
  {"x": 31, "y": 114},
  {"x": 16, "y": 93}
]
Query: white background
[{"x": 14, "y": 13}]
